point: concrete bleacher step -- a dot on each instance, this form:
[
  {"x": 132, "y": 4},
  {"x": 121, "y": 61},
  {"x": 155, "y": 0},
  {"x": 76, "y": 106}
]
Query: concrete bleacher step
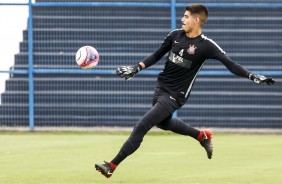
[
  {"x": 212, "y": 85},
  {"x": 156, "y": 68},
  {"x": 100, "y": 34},
  {"x": 79, "y": 97},
  {"x": 127, "y": 122},
  {"x": 114, "y": 11},
  {"x": 149, "y": 34},
  {"x": 69, "y": 116},
  {"x": 135, "y": 97},
  {"x": 246, "y": 116},
  {"x": 73, "y": 110},
  {"x": 82, "y": 84},
  {"x": 53, "y": 46},
  {"x": 239, "y": 12},
  {"x": 102, "y": 46},
  {"x": 85, "y": 22},
  {"x": 101, "y": 22},
  {"x": 131, "y": 58}
]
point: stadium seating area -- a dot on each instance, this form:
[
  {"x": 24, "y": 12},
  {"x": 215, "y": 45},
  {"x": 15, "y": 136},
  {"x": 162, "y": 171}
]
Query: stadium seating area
[{"x": 124, "y": 36}]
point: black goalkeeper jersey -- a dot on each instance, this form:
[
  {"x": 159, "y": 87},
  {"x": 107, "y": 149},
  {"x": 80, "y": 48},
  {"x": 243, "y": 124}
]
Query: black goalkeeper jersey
[{"x": 186, "y": 57}]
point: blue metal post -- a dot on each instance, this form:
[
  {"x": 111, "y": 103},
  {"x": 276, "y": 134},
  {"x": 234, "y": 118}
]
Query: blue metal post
[
  {"x": 173, "y": 14},
  {"x": 30, "y": 68},
  {"x": 173, "y": 26}
]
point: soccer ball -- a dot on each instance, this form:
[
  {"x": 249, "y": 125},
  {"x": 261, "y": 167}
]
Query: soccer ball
[{"x": 87, "y": 57}]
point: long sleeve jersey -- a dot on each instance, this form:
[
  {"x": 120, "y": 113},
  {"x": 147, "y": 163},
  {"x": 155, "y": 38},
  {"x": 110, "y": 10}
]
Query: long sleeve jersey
[{"x": 186, "y": 57}]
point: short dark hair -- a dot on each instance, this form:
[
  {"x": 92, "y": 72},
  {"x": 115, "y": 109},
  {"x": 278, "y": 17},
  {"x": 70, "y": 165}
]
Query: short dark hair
[{"x": 199, "y": 10}]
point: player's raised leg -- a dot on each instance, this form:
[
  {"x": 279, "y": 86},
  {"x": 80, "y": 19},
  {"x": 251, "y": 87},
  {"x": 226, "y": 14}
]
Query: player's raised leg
[{"x": 178, "y": 126}]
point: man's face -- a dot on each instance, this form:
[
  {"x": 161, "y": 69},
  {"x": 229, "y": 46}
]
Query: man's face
[{"x": 188, "y": 22}]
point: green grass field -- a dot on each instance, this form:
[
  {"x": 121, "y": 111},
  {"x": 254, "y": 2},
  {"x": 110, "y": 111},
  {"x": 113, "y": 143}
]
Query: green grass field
[{"x": 68, "y": 158}]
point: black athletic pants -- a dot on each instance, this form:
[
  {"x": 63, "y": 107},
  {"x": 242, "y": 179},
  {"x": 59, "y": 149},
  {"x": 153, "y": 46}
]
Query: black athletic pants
[{"x": 159, "y": 115}]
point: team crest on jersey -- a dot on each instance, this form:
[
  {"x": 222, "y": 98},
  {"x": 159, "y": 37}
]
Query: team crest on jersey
[{"x": 191, "y": 49}]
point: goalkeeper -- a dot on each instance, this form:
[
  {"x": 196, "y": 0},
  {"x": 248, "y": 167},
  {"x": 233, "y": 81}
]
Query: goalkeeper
[{"x": 188, "y": 50}]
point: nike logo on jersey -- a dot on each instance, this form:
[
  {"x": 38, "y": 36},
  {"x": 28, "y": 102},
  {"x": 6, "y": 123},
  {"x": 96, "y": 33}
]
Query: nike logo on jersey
[
  {"x": 176, "y": 42},
  {"x": 172, "y": 98}
]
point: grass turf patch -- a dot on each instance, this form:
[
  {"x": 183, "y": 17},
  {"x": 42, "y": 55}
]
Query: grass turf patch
[{"x": 69, "y": 157}]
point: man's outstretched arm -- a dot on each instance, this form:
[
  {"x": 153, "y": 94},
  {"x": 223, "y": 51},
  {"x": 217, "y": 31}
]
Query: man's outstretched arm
[
  {"x": 128, "y": 72},
  {"x": 238, "y": 70}
]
